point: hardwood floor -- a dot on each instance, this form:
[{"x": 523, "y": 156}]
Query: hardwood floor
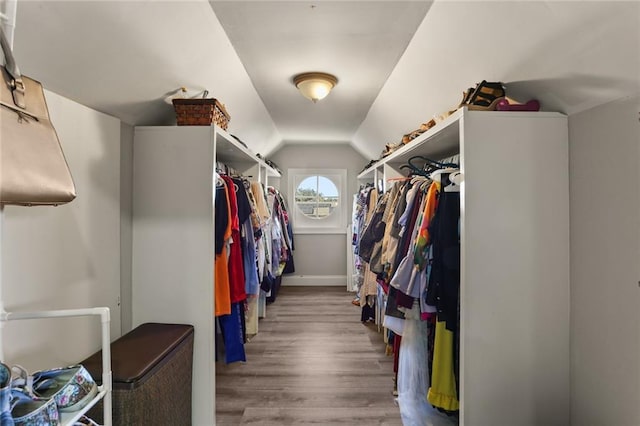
[{"x": 312, "y": 362}]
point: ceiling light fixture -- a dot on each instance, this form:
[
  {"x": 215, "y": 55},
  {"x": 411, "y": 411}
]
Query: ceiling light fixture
[{"x": 315, "y": 85}]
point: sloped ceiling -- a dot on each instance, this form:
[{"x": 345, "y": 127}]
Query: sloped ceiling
[
  {"x": 359, "y": 42},
  {"x": 570, "y": 55},
  {"x": 124, "y": 57}
]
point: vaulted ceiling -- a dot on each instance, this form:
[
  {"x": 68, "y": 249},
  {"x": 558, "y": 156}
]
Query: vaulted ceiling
[
  {"x": 359, "y": 42},
  {"x": 398, "y": 62}
]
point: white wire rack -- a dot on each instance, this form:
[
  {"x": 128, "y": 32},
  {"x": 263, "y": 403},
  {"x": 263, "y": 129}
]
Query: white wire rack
[{"x": 104, "y": 391}]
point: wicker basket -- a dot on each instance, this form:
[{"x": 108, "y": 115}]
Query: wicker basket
[{"x": 201, "y": 112}]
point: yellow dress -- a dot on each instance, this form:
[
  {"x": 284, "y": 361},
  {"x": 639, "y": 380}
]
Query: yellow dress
[{"x": 442, "y": 392}]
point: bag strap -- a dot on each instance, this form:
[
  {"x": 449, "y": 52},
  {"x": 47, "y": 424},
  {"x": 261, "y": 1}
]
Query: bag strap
[{"x": 16, "y": 84}]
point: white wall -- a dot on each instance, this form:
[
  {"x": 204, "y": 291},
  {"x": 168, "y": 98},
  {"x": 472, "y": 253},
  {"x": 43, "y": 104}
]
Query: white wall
[
  {"x": 605, "y": 264},
  {"x": 126, "y": 218},
  {"x": 66, "y": 256},
  {"x": 319, "y": 258}
]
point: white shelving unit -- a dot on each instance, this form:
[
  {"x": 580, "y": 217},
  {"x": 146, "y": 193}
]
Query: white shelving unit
[
  {"x": 514, "y": 290},
  {"x": 173, "y": 236}
]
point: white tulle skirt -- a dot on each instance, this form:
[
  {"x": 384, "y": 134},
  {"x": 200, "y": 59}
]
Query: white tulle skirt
[{"x": 413, "y": 374}]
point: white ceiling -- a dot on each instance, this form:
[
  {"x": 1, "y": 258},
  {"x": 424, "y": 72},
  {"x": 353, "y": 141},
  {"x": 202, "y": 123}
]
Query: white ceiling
[
  {"x": 358, "y": 42},
  {"x": 398, "y": 62}
]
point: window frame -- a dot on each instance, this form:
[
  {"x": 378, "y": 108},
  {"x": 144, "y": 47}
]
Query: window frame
[{"x": 336, "y": 222}]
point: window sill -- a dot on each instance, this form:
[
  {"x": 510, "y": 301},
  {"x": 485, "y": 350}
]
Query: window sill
[{"x": 330, "y": 231}]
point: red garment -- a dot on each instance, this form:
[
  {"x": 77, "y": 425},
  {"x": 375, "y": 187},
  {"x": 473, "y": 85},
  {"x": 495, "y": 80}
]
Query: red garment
[
  {"x": 236, "y": 267},
  {"x": 221, "y": 270},
  {"x": 397, "y": 339},
  {"x": 236, "y": 270}
]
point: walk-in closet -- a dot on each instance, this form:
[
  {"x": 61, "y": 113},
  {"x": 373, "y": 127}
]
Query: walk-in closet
[{"x": 416, "y": 213}]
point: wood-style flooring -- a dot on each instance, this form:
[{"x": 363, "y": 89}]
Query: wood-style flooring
[{"x": 312, "y": 362}]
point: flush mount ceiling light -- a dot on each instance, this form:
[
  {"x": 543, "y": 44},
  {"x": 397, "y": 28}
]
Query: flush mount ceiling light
[{"x": 315, "y": 85}]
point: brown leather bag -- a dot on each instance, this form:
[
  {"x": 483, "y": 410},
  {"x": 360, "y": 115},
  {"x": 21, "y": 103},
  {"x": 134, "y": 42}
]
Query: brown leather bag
[{"x": 33, "y": 170}]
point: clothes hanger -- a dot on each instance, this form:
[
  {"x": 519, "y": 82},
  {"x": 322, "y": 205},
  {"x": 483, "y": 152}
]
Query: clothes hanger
[
  {"x": 399, "y": 178},
  {"x": 424, "y": 186},
  {"x": 414, "y": 171},
  {"x": 219, "y": 181},
  {"x": 432, "y": 169},
  {"x": 426, "y": 161},
  {"x": 420, "y": 181},
  {"x": 437, "y": 174},
  {"x": 429, "y": 163},
  {"x": 456, "y": 178}
]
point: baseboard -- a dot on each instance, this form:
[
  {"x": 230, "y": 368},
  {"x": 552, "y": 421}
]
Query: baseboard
[{"x": 314, "y": 280}]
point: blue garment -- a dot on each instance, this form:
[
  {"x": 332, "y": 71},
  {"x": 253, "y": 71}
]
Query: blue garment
[
  {"x": 252, "y": 283},
  {"x": 5, "y": 396},
  {"x": 276, "y": 246},
  {"x": 231, "y": 326}
]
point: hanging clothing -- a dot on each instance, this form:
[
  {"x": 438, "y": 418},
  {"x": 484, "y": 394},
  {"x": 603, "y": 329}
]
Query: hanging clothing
[
  {"x": 252, "y": 283},
  {"x": 408, "y": 244},
  {"x": 247, "y": 237},
  {"x": 442, "y": 392},
  {"x": 444, "y": 281},
  {"x": 221, "y": 215},
  {"x": 408, "y": 221},
  {"x": 369, "y": 284},
  {"x": 423, "y": 239},
  {"x": 413, "y": 373},
  {"x": 261, "y": 201},
  {"x": 221, "y": 271},
  {"x": 443, "y": 292},
  {"x": 237, "y": 292},
  {"x": 406, "y": 276},
  {"x": 256, "y": 219},
  {"x": 374, "y": 230},
  {"x": 242, "y": 199},
  {"x": 231, "y": 327},
  {"x": 389, "y": 243}
]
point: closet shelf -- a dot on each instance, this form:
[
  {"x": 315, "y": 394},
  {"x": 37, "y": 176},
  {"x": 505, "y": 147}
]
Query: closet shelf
[
  {"x": 104, "y": 391},
  {"x": 443, "y": 139},
  {"x": 228, "y": 149}
]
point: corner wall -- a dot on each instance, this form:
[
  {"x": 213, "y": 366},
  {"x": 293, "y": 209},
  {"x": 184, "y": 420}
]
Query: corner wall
[
  {"x": 604, "y": 157},
  {"x": 126, "y": 229}
]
